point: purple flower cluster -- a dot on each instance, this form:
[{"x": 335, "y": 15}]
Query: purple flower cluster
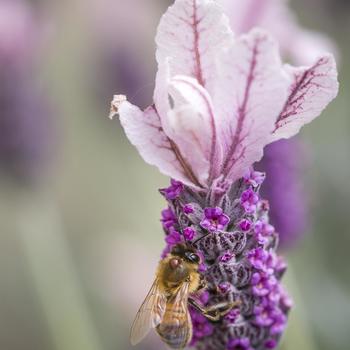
[
  {"x": 202, "y": 328},
  {"x": 240, "y": 264},
  {"x": 175, "y": 234}
]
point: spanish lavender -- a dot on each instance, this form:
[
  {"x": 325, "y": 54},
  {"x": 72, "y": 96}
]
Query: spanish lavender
[{"x": 218, "y": 101}]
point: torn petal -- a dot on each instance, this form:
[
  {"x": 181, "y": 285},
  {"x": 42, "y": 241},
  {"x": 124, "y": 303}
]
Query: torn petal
[{"x": 310, "y": 91}]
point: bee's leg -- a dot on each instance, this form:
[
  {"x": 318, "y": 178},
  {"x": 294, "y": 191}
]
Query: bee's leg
[
  {"x": 214, "y": 312},
  {"x": 202, "y": 284}
]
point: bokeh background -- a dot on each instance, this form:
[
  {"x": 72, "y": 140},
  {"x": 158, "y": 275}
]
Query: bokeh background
[{"x": 79, "y": 210}]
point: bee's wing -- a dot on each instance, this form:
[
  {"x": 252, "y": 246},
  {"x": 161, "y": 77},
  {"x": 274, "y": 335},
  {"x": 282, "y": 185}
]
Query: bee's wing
[
  {"x": 176, "y": 326},
  {"x": 149, "y": 315}
]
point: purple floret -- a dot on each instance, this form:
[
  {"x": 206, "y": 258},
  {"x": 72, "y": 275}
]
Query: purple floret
[
  {"x": 214, "y": 219},
  {"x": 173, "y": 191}
]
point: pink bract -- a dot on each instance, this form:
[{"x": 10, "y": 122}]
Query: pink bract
[{"x": 220, "y": 99}]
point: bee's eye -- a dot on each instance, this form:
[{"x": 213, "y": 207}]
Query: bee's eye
[{"x": 193, "y": 257}]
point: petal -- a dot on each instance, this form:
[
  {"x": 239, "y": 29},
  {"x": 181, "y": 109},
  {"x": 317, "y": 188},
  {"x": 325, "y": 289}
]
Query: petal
[
  {"x": 310, "y": 91},
  {"x": 189, "y": 36},
  {"x": 254, "y": 91},
  {"x": 145, "y": 132},
  {"x": 191, "y": 125}
]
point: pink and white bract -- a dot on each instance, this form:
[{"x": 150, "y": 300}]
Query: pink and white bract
[{"x": 219, "y": 99}]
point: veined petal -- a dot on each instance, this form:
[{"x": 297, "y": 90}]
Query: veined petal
[
  {"x": 255, "y": 89},
  {"x": 189, "y": 37},
  {"x": 145, "y": 131},
  {"x": 310, "y": 91},
  {"x": 192, "y": 126}
]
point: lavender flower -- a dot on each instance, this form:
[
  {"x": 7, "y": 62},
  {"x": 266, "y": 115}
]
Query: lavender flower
[
  {"x": 173, "y": 190},
  {"x": 214, "y": 219},
  {"x": 218, "y": 101}
]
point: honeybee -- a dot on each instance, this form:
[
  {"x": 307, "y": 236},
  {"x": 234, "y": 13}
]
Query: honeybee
[{"x": 165, "y": 307}]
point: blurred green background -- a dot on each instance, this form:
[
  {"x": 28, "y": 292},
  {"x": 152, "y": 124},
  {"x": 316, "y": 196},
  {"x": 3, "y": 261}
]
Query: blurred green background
[{"x": 78, "y": 245}]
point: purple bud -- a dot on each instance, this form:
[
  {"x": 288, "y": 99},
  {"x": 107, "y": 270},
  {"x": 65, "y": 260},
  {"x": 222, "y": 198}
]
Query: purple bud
[
  {"x": 225, "y": 287},
  {"x": 173, "y": 191},
  {"x": 245, "y": 225},
  {"x": 168, "y": 219},
  {"x": 173, "y": 238},
  {"x": 239, "y": 344},
  {"x": 214, "y": 219},
  {"x": 189, "y": 233},
  {"x": 249, "y": 200},
  {"x": 188, "y": 209},
  {"x": 254, "y": 178},
  {"x": 232, "y": 316},
  {"x": 263, "y": 230},
  {"x": 270, "y": 344}
]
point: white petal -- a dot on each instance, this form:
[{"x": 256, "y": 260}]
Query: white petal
[
  {"x": 192, "y": 126},
  {"x": 145, "y": 132},
  {"x": 189, "y": 37},
  {"x": 310, "y": 91},
  {"x": 254, "y": 90}
]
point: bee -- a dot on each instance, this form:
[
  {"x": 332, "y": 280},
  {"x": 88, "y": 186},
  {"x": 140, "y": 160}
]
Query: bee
[{"x": 165, "y": 307}]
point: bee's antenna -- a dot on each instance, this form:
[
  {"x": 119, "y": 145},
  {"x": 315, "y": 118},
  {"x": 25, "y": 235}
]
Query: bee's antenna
[{"x": 197, "y": 240}]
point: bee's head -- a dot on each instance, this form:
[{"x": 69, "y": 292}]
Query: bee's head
[
  {"x": 179, "y": 264},
  {"x": 186, "y": 253}
]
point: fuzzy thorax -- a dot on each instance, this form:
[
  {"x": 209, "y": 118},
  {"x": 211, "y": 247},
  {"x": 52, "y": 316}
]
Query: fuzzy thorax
[{"x": 171, "y": 277}]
